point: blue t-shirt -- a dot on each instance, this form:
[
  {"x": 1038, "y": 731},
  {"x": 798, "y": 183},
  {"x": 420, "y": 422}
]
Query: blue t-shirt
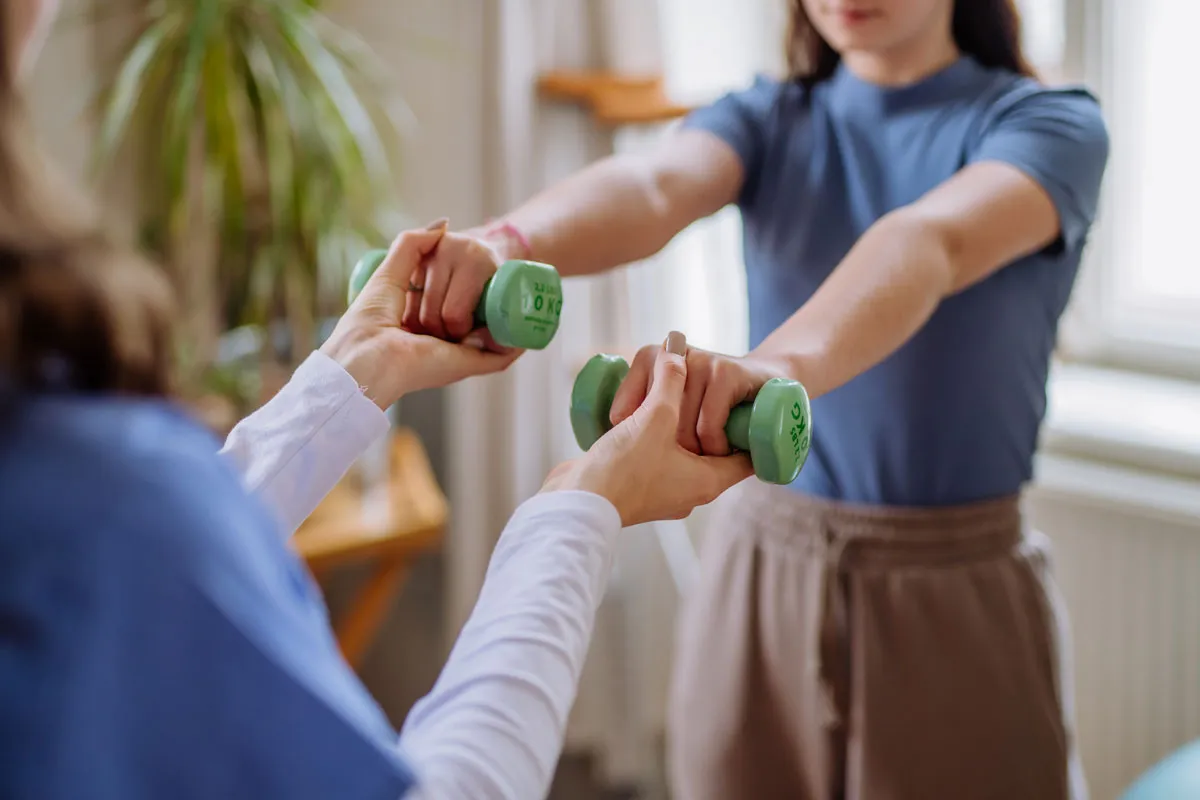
[
  {"x": 953, "y": 415},
  {"x": 158, "y": 639}
]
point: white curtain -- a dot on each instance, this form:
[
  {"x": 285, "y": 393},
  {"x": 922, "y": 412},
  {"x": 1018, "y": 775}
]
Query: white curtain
[{"x": 505, "y": 433}]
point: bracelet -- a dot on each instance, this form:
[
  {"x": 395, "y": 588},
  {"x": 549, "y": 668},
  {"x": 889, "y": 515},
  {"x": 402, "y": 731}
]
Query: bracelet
[{"x": 511, "y": 231}]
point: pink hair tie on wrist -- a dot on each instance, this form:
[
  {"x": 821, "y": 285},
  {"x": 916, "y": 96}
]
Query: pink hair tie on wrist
[{"x": 511, "y": 231}]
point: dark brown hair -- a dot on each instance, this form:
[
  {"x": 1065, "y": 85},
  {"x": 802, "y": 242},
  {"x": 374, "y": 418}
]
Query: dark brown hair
[
  {"x": 987, "y": 30},
  {"x": 77, "y": 310}
]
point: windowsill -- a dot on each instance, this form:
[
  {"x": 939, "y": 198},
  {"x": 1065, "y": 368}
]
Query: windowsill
[
  {"x": 1124, "y": 418},
  {"x": 1123, "y": 439}
]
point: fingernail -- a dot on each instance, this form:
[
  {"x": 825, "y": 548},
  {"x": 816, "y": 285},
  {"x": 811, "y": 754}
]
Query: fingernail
[
  {"x": 676, "y": 343},
  {"x": 474, "y": 340},
  {"x": 438, "y": 224}
]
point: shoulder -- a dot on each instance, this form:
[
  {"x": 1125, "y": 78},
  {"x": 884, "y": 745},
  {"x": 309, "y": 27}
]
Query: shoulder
[
  {"x": 113, "y": 474},
  {"x": 760, "y": 102},
  {"x": 1017, "y": 102}
]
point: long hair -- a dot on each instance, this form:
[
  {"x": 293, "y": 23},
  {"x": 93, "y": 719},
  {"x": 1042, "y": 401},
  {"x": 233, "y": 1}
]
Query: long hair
[
  {"x": 78, "y": 312},
  {"x": 987, "y": 30}
]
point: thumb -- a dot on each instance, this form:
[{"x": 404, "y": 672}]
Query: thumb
[
  {"x": 466, "y": 359},
  {"x": 670, "y": 373},
  {"x": 408, "y": 250},
  {"x": 723, "y": 472}
]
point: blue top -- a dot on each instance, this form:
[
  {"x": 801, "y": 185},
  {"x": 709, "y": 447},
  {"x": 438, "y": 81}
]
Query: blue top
[
  {"x": 953, "y": 415},
  {"x": 157, "y": 637}
]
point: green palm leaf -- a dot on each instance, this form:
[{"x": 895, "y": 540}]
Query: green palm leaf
[{"x": 285, "y": 122}]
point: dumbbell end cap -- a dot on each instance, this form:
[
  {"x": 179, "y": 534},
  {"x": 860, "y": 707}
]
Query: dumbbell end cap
[
  {"x": 780, "y": 430},
  {"x": 362, "y": 273},
  {"x": 523, "y": 305},
  {"x": 592, "y": 397}
]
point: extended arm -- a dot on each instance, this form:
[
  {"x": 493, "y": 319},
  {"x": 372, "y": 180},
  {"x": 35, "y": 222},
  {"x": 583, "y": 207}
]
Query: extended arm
[
  {"x": 294, "y": 450},
  {"x": 893, "y": 279},
  {"x": 493, "y": 725},
  {"x": 1032, "y": 180},
  {"x": 627, "y": 207}
]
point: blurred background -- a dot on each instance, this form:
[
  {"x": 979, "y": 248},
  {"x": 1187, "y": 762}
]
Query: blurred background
[{"x": 257, "y": 147}]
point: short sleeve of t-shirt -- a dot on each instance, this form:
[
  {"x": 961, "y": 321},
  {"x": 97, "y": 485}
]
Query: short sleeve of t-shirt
[
  {"x": 164, "y": 641},
  {"x": 1058, "y": 138},
  {"x": 741, "y": 119}
]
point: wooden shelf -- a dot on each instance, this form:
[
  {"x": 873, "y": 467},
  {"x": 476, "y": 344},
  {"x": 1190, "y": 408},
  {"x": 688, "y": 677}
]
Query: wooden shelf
[
  {"x": 340, "y": 531},
  {"x": 613, "y": 99}
]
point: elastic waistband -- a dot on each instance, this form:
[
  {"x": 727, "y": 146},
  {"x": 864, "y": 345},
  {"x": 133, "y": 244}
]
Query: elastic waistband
[{"x": 869, "y": 533}]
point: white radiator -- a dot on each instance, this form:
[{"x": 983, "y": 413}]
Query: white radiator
[{"x": 1127, "y": 558}]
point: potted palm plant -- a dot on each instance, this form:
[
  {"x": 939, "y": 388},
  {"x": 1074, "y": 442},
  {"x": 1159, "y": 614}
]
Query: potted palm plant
[{"x": 264, "y": 139}]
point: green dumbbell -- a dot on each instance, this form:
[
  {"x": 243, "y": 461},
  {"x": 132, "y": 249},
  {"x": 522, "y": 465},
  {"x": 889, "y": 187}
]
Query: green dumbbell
[
  {"x": 775, "y": 429},
  {"x": 520, "y": 305}
]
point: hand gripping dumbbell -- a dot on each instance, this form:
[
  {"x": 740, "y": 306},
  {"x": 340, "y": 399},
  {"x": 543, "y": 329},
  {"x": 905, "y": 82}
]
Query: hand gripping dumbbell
[
  {"x": 520, "y": 305},
  {"x": 775, "y": 429}
]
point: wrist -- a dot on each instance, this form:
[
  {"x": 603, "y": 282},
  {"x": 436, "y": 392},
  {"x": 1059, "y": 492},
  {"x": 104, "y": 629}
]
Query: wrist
[
  {"x": 361, "y": 357},
  {"x": 580, "y": 476},
  {"x": 507, "y": 240},
  {"x": 782, "y": 364}
]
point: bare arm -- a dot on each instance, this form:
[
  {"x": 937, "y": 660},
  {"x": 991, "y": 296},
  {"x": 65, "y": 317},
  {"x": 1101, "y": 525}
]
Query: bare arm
[
  {"x": 890, "y": 282},
  {"x": 628, "y": 207}
]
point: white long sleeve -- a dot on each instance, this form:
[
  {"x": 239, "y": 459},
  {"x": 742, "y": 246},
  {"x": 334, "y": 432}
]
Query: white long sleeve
[
  {"x": 493, "y": 726},
  {"x": 294, "y": 450}
]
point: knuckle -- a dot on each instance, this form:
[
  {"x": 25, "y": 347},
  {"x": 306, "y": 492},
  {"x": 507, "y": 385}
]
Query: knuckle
[
  {"x": 480, "y": 254},
  {"x": 722, "y": 370},
  {"x": 662, "y": 415},
  {"x": 675, "y": 368}
]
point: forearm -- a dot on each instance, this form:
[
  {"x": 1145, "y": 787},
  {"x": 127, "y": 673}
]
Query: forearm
[
  {"x": 295, "y": 448},
  {"x": 493, "y": 725},
  {"x": 572, "y": 224},
  {"x": 626, "y": 207},
  {"x": 881, "y": 294}
]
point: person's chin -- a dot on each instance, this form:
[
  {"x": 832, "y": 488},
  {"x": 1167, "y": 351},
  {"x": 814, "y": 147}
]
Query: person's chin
[{"x": 857, "y": 39}]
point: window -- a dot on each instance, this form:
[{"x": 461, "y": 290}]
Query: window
[{"x": 1138, "y": 302}]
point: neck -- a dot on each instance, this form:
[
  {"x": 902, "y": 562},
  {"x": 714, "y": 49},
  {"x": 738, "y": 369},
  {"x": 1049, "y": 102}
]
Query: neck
[{"x": 905, "y": 64}]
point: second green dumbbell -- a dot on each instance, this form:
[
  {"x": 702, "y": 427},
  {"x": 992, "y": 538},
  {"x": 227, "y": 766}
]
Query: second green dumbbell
[
  {"x": 520, "y": 306},
  {"x": 775, "y": 429}
]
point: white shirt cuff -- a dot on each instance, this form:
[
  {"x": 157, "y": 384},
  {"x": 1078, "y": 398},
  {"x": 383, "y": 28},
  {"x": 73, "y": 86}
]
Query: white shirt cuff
[{"x": 295, "y": 448}]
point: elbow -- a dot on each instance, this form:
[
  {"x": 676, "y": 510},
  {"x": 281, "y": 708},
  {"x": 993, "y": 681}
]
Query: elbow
[
  {"x": 936, "y": 248},
  {"x": 676, "y": 196}
]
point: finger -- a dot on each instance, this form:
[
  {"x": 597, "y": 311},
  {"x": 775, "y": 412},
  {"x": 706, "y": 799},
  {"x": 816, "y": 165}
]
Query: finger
[
  {"x": 464, "y": 361},
  {"x": 437, "y": 281},
  {"x": 689, "y": 405},
  {"x": 723, "y": 394},
  {"x": 481, "y": 338},
  {"x": 670, "y": 372},
  {"x": 632, "y": 391},
  {"x": 411, "y": 320},
  {"x": 717, "y": 474},
  {"x": 406, "y": 253},
  {"x": 458, "y": 307}
]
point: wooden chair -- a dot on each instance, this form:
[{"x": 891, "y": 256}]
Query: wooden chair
[{"x": 343, "y": 531}]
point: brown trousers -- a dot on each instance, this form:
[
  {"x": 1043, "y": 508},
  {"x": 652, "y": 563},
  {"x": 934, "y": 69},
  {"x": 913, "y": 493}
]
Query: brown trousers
[{"x": 834, "y": 651}]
